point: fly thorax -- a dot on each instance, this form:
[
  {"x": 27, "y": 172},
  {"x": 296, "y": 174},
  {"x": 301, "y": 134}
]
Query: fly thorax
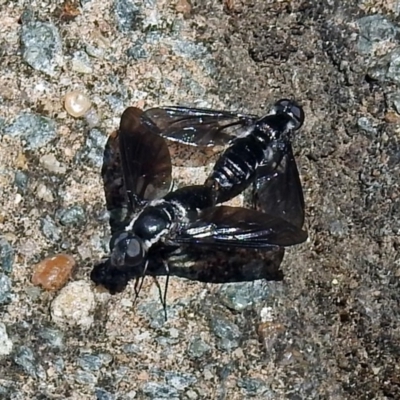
[
  {"x": 153, "y": 223},
  {"x": 265, "y": 133},
  {"x": 269, "y": 156},
  {"x": 181, "y": 213}
]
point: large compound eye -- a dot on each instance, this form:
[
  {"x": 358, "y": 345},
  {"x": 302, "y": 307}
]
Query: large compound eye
[
  {"x": 126, "y": 250},
  {"x": 134, "y": 252},
  {"x": 293, "y": 109}
]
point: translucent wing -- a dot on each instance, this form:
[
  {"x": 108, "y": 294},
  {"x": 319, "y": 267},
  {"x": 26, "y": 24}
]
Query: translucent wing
[
  {"x": 278, "y": 187},
  {"x": 145, "y": 158},
  {"x": 200, "y": 127},
  {"x": 240, "y": 227}
]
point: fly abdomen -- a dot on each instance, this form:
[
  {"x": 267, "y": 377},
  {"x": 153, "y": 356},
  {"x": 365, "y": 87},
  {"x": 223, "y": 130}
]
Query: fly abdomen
[{"x": 236, "y": 167}]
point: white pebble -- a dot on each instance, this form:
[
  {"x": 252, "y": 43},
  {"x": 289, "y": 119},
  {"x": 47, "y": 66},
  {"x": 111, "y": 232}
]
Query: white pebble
[
  {"x": 44, "y": 193},
  {"x": 77, "y": 104},
  {"x": 74, "y": 305},
  {"x": 52, "y": 164}
]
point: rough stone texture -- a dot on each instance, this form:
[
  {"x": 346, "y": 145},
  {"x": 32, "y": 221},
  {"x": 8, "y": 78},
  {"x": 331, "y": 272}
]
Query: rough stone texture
[{"x": 333, "y": 325}]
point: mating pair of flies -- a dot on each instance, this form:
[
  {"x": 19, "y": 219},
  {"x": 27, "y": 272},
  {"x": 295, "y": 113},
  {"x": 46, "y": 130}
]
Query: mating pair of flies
[{"x": 186, "y": 232}]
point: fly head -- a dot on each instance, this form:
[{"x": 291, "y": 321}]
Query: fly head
[
  {"x": 291, "y": 109},
  {"x": 127, "y": 251}
]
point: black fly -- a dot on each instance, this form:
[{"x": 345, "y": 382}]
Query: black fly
[
  {"x": 259, "y": 151},
  {"x": 184, "y": 233}
]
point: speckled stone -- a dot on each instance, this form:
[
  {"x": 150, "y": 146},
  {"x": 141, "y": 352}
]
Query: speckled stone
[
  {"x": 127, "y": 15},
  {"x": 74, "y": 305},
  {"x": 6, "y": 345},
  {"x": 21, "y": 180},
  {"x": 5, "y": 289},
  {"x": 53, "y": 337},
  {"x": 227, "y": 332},
  {"x": 74, "y": 215},
  {"x": 25, "y": 357},
  {"x": 50, "y": 229},
  {"x": 34, "y": 129},
  {"x": 6, "y": 256},
  {"x": 41, "y": 46}
]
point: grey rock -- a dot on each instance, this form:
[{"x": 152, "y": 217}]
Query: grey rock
[
  {"x": 101, "y": 243},
  {"x": 49, "y": 229},
  {"x": 116, "y": 102},
  {"x": 26, "y": 359},
  {"x": 41, "y": 46},
  {"x": 6, "y": 345},
  {"x": 95, "y": 52},
  {"x": 74, "y": 215},
  {"x": 374, "y": 29},
  {"x": 192, "y": 86},
  {"x": 188, "y": 49},
  {"x": 59, "y": 364},
  {"x": 366, "y": 125},
  {"x": 53, "y": 337},
  {"x": 338, "y": 228},
  {"x": 254, "y": 387},
  {"x": 21, "y": 180},
  {"x": 198, "y": 347},
  {"x": 35, "y": 129},
  {"x": 159, "y": 390},
  {"x": 393, "y": 100},
  {"x": 6, "y": 256},
  {"x": 85, "y": 377},
  {"x": 93, "y": 362},
  {"x": 120, "y": 373},
  {"x": 387, "y": 68},
  {"x": 94, "y": 148},
  {"x": 81, "y": 63},
  {"x": 154, "y": 37},
  {"x": 127, "y": 15},
  {"x": 153, "y": 311},
  {"x": 5, "y": 289},
  {"x": 4, "y": 391},
  {"x": 27, "y": 15},
  {"x": 102, "y": 394},
  {"x": 240, "y": 296},
  {"x": 132, "y": 348},
  {"x": 137, "y": 51},
  {"x": 227, "y": 332},
  {"x": 179, "y": 380}
]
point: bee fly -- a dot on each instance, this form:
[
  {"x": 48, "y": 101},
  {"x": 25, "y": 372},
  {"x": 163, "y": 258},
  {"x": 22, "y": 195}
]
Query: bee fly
[
  {"x": 184, "y": 233},
  {"x": 259, "y": 152}
]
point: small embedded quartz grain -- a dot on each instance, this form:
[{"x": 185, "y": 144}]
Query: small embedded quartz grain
[
  {"x": 53, "y": 272},
  {"x": 77, "y": 104}
]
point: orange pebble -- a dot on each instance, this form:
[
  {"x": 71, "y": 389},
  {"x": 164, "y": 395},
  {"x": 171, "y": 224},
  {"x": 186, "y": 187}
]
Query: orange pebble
[{"x": 53, "y": 272}]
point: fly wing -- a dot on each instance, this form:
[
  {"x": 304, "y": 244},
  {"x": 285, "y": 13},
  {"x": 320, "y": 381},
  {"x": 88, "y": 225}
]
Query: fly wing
[
  {"x": 240, "y": 227},
  {"x": 200, "y": 127},
  {"x": 213, "y": 265},
  {"x": 278, "y": 187},
  {"x": 145, "y": 158}
]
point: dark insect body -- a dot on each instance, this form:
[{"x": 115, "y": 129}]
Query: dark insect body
[
  {"x": 259, "y": 152},
  {"x": 185, "y": 233}
]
